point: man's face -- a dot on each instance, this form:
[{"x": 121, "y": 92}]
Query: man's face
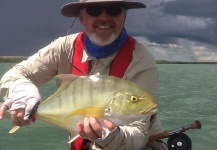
[{"x": 101, "y": 27}]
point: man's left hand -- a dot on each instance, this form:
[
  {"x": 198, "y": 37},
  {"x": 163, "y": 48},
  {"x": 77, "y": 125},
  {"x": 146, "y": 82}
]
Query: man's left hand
[{"x": 92, "y": 129}]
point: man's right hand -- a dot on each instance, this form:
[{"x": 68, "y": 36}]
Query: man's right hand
[
  {"x": 17, "y": 115},
  {"x": 22, "y": 97},
  {"x": 4, "y": 107}
]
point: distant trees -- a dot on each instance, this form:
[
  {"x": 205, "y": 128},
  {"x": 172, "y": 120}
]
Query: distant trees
[
  {"x": 12, "y": 59},
  {"x": 17, "y": 59},
  {"x": 180, "y": 62}
]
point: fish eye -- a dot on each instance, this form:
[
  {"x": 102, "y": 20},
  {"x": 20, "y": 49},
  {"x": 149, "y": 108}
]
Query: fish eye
[{"x": 134, "y": 98}]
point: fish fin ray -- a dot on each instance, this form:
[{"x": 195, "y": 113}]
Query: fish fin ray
[
  {"x": 73, "y": 136},
  {"x": 14, "y": 129}
]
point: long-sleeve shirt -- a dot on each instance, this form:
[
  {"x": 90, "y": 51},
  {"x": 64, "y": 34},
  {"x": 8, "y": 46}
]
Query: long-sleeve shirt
[{"x": 56, "y": 58}]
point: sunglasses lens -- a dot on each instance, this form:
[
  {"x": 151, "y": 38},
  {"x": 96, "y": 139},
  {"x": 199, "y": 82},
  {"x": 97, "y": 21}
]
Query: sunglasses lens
[
  {"x": 112, "y": 10},
  {"x": 94, "y": 10}
]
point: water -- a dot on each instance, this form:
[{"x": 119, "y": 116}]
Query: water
[{"x": 186, "y": 93}]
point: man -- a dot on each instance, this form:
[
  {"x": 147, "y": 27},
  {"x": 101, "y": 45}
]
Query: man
[{"x": 104, "y": 44}]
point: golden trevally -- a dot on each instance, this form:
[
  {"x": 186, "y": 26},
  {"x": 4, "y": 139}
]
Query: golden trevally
[{"x": 100, "y": 96}]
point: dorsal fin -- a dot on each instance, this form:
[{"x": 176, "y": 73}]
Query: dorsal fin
[{"x": 63, "y": 79}]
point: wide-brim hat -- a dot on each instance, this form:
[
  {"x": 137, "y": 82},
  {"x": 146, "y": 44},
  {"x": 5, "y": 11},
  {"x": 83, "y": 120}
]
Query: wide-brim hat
[{"x": 72, "y": 9}]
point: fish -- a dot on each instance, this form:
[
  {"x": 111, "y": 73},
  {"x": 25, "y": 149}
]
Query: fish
[{"x": 101, "y": 96}]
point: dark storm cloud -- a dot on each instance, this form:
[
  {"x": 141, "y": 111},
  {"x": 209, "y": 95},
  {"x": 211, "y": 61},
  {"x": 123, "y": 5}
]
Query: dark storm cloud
[
  {"x": 191, "y": 24},
  {"x": 167, "y": 21},
  {"x": 28, "y": 25},
  {"x": 193, "y": 8}
]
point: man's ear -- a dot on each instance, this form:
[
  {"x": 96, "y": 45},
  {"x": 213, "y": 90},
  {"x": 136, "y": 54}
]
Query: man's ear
[
  {"x": 81, "y": 19},
  {"x": 81, "y": 16}
]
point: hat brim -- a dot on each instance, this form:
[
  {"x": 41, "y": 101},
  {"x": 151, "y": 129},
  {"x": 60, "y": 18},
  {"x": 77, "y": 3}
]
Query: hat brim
[{"x": 72, "y": 9}]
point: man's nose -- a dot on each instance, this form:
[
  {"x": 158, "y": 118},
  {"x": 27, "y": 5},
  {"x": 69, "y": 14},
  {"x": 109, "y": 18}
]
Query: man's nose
[{"x": 104, "y": 14}]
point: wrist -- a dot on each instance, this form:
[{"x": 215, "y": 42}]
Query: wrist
[{"x": 107, "y": 137}]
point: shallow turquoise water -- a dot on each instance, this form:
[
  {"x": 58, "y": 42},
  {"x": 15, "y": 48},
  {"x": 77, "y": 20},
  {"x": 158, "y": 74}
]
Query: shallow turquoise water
[{"x": 186, "y": 93}]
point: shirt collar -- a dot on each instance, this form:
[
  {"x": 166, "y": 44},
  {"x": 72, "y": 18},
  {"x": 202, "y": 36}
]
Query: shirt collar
[{"x": 86, "y": 57}]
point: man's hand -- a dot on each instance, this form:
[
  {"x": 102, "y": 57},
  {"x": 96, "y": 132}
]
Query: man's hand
[
  {"x": 17, "y": 115},
  {"x": 92, "y": 129},
  {"x": 23, "y": 96},
  {"x": 4, "y": 107}
]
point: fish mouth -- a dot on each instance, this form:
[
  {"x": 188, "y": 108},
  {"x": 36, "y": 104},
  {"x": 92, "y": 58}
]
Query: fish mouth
[{"x": 145, "y": 111}]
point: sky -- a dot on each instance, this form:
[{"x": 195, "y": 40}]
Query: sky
[{"x": 177, "y": 30}]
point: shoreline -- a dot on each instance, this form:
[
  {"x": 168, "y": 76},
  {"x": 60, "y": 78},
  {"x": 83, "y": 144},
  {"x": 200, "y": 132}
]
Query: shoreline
[
  {"x": 12, "y": 59},
  {"x": 17, "y": 59}
]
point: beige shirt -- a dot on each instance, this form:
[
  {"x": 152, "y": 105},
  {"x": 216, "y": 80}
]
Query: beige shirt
[{"x": 56, "y": 59}]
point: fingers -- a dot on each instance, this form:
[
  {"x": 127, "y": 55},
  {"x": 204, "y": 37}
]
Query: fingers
[
  {"x": 5, "y": 106},
  {"x": 109, "y": 124},
  {"x": 92, "y": 128},
  {"x": 17, "y": 117},
  {"x": 33, "y": 119},
  {"x": 3, "y": 109},
  {"x": 80, "y": 129}
]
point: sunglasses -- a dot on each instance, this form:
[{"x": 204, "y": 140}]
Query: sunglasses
[{"x": 95, "y": 9}]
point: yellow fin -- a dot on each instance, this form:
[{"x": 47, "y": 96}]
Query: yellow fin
[
  {"x": 14, "y": 129},
  {"x": 89, "y": 112}
]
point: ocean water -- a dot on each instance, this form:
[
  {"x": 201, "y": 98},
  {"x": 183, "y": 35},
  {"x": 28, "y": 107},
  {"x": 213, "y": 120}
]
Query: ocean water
[{"x": 186, "y": 93}]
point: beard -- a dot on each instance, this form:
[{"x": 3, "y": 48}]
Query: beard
[{"x": 102, "y": 40}]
